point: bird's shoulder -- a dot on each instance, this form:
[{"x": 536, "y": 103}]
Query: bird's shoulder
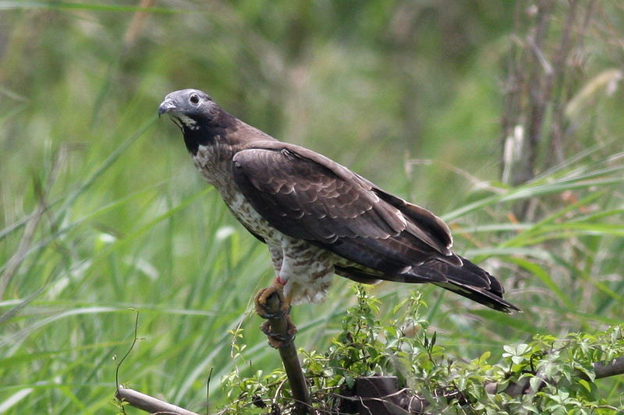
[
  {"x": 276, "y": 158},
  {"x": 285, "y": 181}
]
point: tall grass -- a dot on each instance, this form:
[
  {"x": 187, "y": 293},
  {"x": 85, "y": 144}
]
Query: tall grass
[{"x": 103, "y": 215}]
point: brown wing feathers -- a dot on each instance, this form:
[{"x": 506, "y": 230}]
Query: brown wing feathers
[
  {"x": 308, "y": 196},
  {"x": 306, "y": 200}
]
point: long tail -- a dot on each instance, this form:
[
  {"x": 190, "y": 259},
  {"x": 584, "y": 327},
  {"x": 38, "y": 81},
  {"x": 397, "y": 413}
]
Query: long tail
[
  {"x": 457, "y": 274},
  {"x": 470, "y": 281}
]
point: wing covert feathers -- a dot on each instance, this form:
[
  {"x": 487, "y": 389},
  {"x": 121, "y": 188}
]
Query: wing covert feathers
[{"x": 306, "y": 195}]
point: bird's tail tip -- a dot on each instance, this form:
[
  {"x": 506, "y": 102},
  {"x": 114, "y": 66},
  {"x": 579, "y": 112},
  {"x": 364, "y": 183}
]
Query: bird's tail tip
[{"x": 481, "y": 296}]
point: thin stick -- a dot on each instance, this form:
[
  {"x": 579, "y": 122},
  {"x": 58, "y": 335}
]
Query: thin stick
[{"x": 149, "y": 404}]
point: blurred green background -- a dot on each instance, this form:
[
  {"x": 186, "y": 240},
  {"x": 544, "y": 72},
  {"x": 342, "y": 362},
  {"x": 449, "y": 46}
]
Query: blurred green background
[{"x": 103, "y": 213}]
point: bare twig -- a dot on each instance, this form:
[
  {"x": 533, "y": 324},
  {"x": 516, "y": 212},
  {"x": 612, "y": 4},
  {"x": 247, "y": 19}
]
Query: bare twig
[
  {"x": 149, "y": 404},
  {"x": 140, "y": 400}
]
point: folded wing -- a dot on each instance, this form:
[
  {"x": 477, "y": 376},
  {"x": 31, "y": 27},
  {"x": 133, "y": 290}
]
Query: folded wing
[{"x": 306, "y": 195}]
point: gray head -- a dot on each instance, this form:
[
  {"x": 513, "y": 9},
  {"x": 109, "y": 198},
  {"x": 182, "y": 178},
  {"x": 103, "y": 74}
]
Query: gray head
[
  {"x": 189, "y": 108},
  {"x": 198, "y": 116}
]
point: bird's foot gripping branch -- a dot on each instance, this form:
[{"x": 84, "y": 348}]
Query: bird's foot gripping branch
[{"x": 280, "y": 330}]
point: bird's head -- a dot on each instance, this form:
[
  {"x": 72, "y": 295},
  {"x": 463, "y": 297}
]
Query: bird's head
[
  {"x": 189, "y": 108},
  {"x": 201, "y": 120}
]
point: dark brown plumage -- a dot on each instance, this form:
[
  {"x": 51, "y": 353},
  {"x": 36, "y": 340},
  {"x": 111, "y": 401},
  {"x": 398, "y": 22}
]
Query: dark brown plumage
[{"x": 317, "y": 216}]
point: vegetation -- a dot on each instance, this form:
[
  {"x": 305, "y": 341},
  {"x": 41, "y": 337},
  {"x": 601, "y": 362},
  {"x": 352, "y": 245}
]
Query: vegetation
[
  {"x": 558, "y": 374},
  {"x": 103, "y": 214}
]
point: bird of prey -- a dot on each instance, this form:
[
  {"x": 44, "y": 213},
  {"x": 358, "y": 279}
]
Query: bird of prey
[{"x": 316, "y": 216}]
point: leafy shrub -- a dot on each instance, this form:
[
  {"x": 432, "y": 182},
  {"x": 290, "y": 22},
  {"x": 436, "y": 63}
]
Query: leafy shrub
[{"x": 546, "y": 375}]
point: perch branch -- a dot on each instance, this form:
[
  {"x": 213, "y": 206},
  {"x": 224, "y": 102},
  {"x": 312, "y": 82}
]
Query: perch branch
[{"x": 281, "y": 327}]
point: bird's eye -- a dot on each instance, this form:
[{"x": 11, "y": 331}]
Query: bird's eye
[{"x": 194, "y": 99}]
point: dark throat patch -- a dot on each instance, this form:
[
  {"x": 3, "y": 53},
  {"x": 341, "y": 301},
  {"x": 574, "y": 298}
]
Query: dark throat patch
[{"x": 204, "y": 133}]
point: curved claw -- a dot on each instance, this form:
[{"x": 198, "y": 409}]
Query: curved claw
[
  {"x": 269, "y": 307},
  {"x": 279, "y": 328}
]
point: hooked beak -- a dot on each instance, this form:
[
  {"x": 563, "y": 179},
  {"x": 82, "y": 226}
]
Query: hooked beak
[{"x": 165, "y": 107}]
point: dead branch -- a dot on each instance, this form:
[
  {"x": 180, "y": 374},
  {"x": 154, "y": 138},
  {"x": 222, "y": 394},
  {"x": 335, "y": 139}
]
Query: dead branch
[{"x": 148, "y": 403}]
